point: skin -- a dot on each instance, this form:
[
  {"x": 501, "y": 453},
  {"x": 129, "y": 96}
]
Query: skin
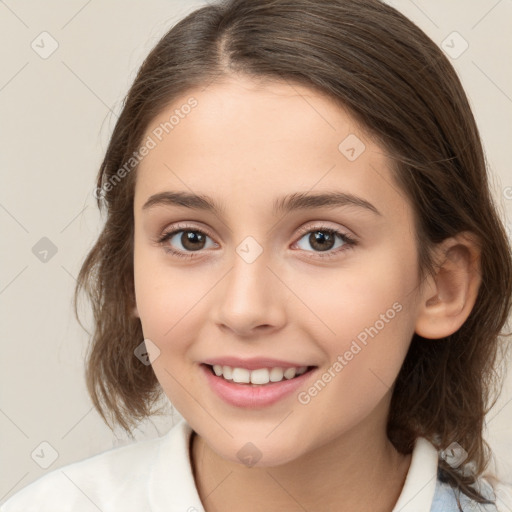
[{"x": 245, "y": 144}]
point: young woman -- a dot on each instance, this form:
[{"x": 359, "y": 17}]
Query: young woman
[{"x": 301, "y": 251}]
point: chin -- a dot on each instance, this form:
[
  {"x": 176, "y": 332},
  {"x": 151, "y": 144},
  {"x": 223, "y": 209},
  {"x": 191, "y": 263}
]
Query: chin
[{"x": 258, "y": 454}]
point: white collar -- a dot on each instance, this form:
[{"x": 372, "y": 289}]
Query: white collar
[
  {"x": 176, "y": 490},
  {"x": 420, "y": 483},
  {"x": 171, "y": 483}
]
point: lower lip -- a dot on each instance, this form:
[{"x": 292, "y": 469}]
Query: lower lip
[{"x": 249, "y": 396}]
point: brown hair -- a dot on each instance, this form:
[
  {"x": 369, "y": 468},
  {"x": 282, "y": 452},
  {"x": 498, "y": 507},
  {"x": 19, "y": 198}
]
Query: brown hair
[{"x": 399, "y": 85}]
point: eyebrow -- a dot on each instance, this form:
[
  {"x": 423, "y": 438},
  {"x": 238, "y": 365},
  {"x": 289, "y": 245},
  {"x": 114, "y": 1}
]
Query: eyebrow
[{"x": 291, "y": 202}]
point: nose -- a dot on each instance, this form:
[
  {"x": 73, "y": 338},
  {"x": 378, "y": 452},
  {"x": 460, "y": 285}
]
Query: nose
[{"x": 250, "y": 300}]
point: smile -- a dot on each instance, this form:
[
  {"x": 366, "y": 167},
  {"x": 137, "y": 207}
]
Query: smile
[
  {"x": 256, "y": 388},
  {"x": 260, "y": 376}
]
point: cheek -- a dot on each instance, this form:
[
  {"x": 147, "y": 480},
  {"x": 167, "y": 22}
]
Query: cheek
[
  {"x": 383, "y": 321},
  {"x": 169, "y": 307},
  {"x": 173, "y": 304},
  {"x": 166, "y": 305},
  {"x": 370, "y": 290},
  {"x": 162, "y": 293},
  {"x": 367, "y": 318}
]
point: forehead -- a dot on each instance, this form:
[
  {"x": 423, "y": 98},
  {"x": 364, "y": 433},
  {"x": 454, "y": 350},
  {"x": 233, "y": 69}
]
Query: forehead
[{"x": 258, "y": 140}]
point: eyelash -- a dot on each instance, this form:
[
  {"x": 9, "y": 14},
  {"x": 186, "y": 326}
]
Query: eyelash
[{"x": 349, "y": 242}]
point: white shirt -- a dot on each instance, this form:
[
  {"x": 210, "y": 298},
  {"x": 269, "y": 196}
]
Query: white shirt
[{"x": 156, "y": 475}]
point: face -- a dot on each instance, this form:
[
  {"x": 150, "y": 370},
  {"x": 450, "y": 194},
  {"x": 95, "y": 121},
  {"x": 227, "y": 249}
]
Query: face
[{"x": 328, "y": 285}]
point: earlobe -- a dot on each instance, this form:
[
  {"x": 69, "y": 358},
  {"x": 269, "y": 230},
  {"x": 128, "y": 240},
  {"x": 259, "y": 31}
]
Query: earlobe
[
  {"x": 448, "y": 297},
  {"x": 135, "y": 312}
]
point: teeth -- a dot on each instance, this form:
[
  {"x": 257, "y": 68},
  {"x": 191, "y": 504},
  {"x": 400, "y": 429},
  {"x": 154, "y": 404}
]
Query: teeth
[
  {"x": 241, "y": 375},
  {"x": 260, "y": 377},
  {"x": 276, "y": 374},
  {"x": 227, "y": 372},
  {"x": 289, "y": 373}
]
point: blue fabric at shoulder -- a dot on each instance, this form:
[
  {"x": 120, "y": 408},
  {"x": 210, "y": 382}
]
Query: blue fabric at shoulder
[{"x": 445, "y": 499}]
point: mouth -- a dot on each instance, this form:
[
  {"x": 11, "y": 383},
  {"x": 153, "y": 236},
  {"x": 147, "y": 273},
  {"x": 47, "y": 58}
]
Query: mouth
[
  {"x": 259, "y": 376},
  {"x": 262, "y": 392}
]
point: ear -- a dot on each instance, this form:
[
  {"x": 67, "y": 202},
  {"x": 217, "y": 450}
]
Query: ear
[
  {"x": 448, "y": 297},
  {"x": 135, "y": 312}
]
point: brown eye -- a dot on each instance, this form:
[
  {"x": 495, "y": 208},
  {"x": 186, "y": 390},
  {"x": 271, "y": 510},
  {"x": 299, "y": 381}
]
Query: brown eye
[
  {"x": 192, "y": 240},
  {"x": 184, "y": 241},
  {"x": 323, "y": 239}
]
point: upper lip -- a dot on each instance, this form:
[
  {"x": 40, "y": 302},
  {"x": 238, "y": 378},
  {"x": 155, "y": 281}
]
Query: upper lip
[{"x": 253, "y": 363}]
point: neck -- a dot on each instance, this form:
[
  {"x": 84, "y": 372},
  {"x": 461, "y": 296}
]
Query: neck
[{"x": 357, "y": 471}]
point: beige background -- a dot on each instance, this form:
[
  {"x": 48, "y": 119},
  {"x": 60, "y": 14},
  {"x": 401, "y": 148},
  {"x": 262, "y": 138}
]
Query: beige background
[{"x": 56, "y": 116}]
